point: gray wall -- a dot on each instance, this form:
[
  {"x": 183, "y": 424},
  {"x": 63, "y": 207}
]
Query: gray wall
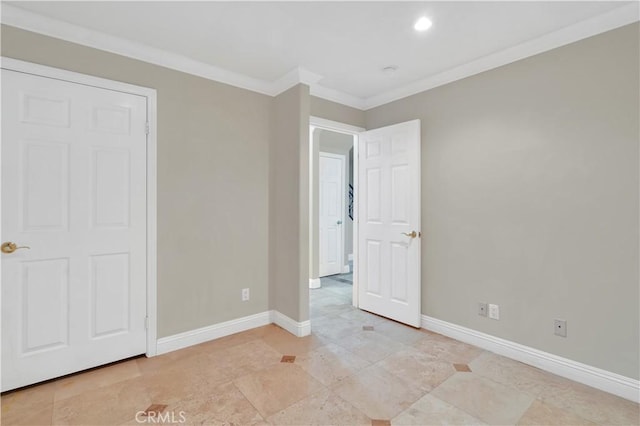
[
  {"x": 323, "y": 108},
  {"x": 289, "y": 204},
  {"x": 530, "y": 199},
  {"x": 213, "y": 146}
]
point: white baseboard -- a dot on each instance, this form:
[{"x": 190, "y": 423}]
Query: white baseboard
[
  {"x": 607, "y": 381},
  {"x": 346, "y": 269},
  {"x": 314, "y": 283},
  {"x": 216, "y": 331},
  {"x": 299, "y": 329}
]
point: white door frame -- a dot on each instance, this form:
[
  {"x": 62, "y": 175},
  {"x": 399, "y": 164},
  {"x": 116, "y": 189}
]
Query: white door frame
[
  {"x": 150, "y": 94},
  {"x": 348, "y": 129},
  {"x": 342, "y": 197}
]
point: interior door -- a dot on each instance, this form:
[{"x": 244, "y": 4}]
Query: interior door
[
  {"x": 331, "y": 217},
  {"x": 389, "y": 222},
  {"x": 74, "y": 195}
]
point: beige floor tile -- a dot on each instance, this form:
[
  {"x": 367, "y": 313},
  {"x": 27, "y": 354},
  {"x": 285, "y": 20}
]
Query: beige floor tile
[
  {"x": 591, "y": 404},
  {"x": 377, "y": 393},
  {"x": 541, "y": 413},
  {"x": 362, "y": 317},
  {"x": 418, "y": 369},
  {"x": 400, "y": 332},
  {"x": 484, "y": 399},
  {"x": 430, "y": 410},
  {"x": 513, "y": 373},
  {"x": 321, "y": 408},
  {"x": 239, "y": 380},
  {"x": 315, "y": 314},
  {"x": 330, "y": 310},
  {"x": 276, "y": 388},
  {"x": 326, "y": 299},
  {"x": 104, "y": 376},
  {"x": 448, "y": 349},
  {"x": 28, "y": 398},
  {"x": 335, "y": 328},
  {"x": 371, "y": 345},
  {"x": 108, "y": 405},
  {"x": 171, "y": 385},
  {"x": 341, "y": 291},
  {"x": 33, "y": 416},
  {"x": 286, "y": 343},
  {"x": 160, "y": 362},
  {"x": 246, "y": 358},
  {"x": 331, "y": 363},
  {"x": 223, "y": 405}
]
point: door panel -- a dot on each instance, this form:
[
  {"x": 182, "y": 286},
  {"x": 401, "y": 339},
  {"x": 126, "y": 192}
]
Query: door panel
[
  {"x": 44, "y": 305},
  {"x": 111, "y": 188},
  {"x": 389, "y": 208},
  {"x": 44, "y": 187},
  {"x": 110, "y": 288},
  {"x": 74, "y": 191}
]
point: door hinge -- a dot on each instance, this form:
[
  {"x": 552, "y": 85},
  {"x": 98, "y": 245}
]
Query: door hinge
[
  {"x": 146, "y": 323},
  {"x": 147, "y": 127}
]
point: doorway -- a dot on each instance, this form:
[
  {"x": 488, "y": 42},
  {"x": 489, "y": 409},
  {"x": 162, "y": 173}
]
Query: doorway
[
  {"x": 333, "y": 238},
  {"x": 332, "y": 215},
  {"x": 386, "y": 226}
]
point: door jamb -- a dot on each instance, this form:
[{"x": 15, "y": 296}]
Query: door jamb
[
  {"x": 151, "y": 96},
  {"x": 354, "y": 131}
]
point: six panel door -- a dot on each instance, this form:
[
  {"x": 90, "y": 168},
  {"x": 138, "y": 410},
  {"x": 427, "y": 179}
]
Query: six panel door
[
  {"x": 74, "y": 192},
  {"x": 331, "y": 172},
  {"x": 389, "y": 222}
]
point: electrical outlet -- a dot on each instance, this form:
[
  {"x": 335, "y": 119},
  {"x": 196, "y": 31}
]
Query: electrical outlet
[
  {"x": 494, "y": 312},
  {"x": 482, "y": 309},
  {"x": 560, "y": 327},
  {"x": 245, "y": 294}
]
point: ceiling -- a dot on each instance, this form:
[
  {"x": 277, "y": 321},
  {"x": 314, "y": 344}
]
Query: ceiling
[{"x": 339, "y": 47}]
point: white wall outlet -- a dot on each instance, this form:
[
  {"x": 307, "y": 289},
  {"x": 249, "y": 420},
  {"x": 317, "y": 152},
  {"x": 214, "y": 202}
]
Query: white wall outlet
[
  {"x": 494, "y": 312},
  {"x": 245, "y": 294},
  {"x": 482, "y": 309},
  {"x": 560, "y": 327}
]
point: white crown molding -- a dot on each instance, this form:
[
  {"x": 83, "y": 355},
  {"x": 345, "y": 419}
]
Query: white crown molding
[
  {"x": 30, "y": 21},
  {"x": 605, "y": 22},
  {"x": 17, "y": 17},
  {"x": 598, "y": 378},
  {"x": 35, "y": 22},
  {"x": 293, "y": 77},
  {"x": 337, "y": 96}
]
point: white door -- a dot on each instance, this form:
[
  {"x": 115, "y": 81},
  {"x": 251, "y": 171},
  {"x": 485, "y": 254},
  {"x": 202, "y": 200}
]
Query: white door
[
  {"x": 331, "y": 218},
  {"x": 74, "y": 192},
  {"x": 389, "y": 222}
]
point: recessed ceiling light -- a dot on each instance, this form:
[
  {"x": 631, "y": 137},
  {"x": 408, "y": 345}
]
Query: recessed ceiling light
[{"x": 423, "y": 24}]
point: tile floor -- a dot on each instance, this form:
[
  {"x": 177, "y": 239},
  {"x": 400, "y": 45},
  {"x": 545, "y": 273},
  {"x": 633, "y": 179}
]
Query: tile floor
[{"x": 355, "y": 369}]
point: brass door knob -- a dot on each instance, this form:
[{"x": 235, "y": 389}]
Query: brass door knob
[
  {"x": 413, "y": 234},
  {"x": 10, "y": 247}
]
